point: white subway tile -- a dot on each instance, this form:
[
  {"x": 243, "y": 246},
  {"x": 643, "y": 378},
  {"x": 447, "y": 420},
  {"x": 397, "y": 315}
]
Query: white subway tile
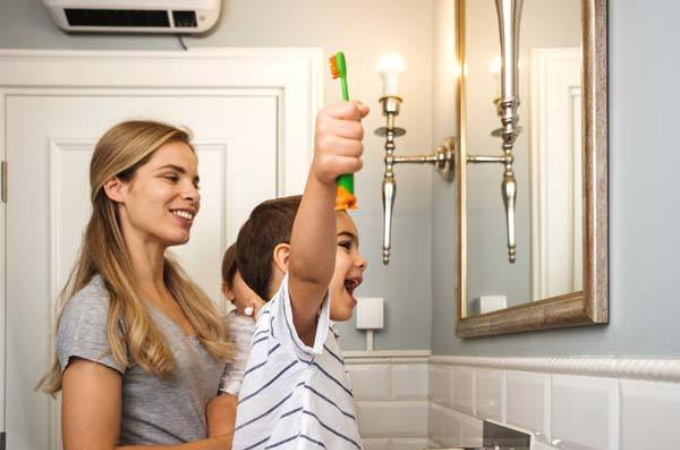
[
  {"x": 528, "y": 401},
  {"x": 409, "y": 443},
  {"x": 472, "y": 432},
  {"x": 440, "y": 385},
  {"x": 489, "y": 394},
  {"x": 393, "y": 419},
  {"x": 463, "y": 389},
  {"x": 452, "y": 428},
  {"x": 435, "y": 421},
  {"x": 409, "y": 381},
  {"x": 585, "y": 412},
  {"x": 541, "y": 446},
  {"x": 376, "y": 443},
  {"x": 370, "y": 382},
  {"x": 650, "y": 415}
]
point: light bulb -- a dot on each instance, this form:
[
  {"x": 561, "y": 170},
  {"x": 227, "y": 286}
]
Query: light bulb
[{"x": 389, "y": 68}]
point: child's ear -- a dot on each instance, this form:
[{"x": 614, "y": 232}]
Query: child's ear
[
  {"x": 114, "y": 189},
  {"x": 280, "y": 256},
  {"x": 228, "y": 295}
]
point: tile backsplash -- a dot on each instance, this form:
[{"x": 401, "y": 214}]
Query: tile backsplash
[{"x": 409, "y": 403}]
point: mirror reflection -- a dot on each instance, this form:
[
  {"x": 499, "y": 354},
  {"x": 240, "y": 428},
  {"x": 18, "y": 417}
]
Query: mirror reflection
[{"x": 547, "y": 164}]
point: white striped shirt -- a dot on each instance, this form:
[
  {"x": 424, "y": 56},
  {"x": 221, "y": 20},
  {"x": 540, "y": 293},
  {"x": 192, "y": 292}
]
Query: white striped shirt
[
  {"x": 294, "y": 396},
  {"x": 241, "y": 330}
]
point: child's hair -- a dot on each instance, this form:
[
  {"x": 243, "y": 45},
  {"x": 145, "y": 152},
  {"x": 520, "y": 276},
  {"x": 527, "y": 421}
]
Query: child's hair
[
  {"x": 269, "y": 224},
  {"x": 120, "y": 152},
  {"x": 229, "y": 265}
]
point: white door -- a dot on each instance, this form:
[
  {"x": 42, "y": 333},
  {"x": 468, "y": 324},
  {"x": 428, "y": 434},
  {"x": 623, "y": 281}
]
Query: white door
[
  {"x": 556, "y": 166},
  {"x": 48, "y": 140}
]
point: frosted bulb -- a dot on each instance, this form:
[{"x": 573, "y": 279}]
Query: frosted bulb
[{"x": 389, "y": 68}]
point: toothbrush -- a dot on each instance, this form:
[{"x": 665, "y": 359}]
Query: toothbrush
[{"x": 345, "y": 198}]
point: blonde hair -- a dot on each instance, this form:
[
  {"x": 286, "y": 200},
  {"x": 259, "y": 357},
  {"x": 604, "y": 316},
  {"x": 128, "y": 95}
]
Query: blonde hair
[{"x": 119, "y": 153}]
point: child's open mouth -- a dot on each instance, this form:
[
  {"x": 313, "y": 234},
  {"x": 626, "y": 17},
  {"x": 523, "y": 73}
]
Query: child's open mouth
[{"x": 351, "y": 284}]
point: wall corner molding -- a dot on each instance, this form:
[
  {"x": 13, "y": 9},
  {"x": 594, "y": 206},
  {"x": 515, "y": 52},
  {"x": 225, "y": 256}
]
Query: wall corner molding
[{"x": 667, "y": 370}]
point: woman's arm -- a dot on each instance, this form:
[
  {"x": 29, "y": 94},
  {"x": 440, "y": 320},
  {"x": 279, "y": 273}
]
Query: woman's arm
[
  {"x": 91, "y": 411},
  {"x": 221, "y": 415}
]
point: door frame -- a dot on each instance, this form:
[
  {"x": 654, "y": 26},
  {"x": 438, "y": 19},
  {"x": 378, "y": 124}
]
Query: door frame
[{"x": 296, "y": 73}]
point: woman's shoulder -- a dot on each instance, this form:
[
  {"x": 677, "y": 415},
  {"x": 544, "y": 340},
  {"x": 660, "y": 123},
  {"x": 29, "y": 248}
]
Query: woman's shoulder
[
  {"x": 92, "y": 296},
  {"x": 83, "y": 326},
  {"x": 89, "y": 306}
]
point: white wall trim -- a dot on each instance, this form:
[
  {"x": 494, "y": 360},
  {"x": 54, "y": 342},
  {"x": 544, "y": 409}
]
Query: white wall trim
[
  {"x": 296, "y": 72},
  {"x": 387, "y": 356},
  {"x": 628, "y": 368}
]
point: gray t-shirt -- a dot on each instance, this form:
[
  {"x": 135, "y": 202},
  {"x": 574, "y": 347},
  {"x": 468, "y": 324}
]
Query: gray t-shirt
[{"x": 155, "y": 411}]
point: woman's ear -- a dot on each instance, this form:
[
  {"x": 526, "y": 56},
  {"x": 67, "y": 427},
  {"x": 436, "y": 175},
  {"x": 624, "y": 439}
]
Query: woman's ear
[
  {"x": 280, "y": 256},
  {"x": 114, "y": 189}
]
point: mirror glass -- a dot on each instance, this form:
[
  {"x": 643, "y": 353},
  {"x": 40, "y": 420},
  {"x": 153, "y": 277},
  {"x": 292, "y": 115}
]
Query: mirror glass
[{"x": 547, "y": 158}]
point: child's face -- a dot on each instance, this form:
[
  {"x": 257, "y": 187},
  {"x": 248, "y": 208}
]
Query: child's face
[
  {"x": 240, "y": 295},
  {"x": 349, "y": 269}
]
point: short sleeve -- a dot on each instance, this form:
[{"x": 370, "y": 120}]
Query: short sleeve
[
  {"x": 281, "y": 306},
  {"x": 241, "y": 330},
  {"x": 82, "y": 329}
]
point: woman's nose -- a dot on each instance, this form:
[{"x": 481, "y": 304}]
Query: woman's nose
[{"x": 191, "y": 194}]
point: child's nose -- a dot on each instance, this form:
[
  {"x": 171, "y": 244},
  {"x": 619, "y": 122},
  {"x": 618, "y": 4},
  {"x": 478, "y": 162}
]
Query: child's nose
[{"x": 361, "y": 263}]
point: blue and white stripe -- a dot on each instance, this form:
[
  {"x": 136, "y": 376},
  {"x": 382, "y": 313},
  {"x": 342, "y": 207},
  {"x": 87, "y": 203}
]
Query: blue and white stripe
[{"x": 294, "y": 396}]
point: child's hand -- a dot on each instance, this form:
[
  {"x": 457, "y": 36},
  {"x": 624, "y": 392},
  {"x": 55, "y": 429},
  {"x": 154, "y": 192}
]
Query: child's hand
[{"x": 338, "y": 141}]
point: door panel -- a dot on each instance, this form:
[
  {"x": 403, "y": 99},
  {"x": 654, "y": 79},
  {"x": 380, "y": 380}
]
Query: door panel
[{"x": 49, "y": 143}]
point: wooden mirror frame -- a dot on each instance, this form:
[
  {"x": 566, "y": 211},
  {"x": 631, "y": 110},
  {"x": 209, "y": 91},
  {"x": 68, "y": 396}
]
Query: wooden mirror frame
[{"x": 591, "y": 305}]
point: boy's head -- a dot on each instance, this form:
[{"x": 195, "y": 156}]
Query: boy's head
[
  {"x": 234, "y": 288},
  {"x": 264, "y": 245}
]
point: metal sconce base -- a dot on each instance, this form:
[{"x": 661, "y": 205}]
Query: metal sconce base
[{"x": 443, "y": 160}]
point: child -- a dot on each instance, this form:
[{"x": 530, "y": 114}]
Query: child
[
  {"x": 304, "y": 256},
  {"x": 221, "y": 412}
]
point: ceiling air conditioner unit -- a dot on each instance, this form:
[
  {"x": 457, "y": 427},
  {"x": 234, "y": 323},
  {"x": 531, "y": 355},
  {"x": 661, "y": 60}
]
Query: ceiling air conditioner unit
[{"x": 135, "y": 16}]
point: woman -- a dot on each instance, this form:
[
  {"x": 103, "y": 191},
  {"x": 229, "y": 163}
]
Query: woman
[{"x": 140, "y": 349}]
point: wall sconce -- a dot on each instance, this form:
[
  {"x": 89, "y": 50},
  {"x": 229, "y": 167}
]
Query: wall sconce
[
  {"x": 389, "y": 68},
  {"x": 443, "y": 159}
]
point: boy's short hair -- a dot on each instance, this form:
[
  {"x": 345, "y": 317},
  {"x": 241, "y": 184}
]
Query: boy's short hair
[
  {"x": 229, "y": 265},
  {"x": 269, "y": 224}
]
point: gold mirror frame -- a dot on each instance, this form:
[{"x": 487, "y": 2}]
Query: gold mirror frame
[{"x": 591, "y": 305}]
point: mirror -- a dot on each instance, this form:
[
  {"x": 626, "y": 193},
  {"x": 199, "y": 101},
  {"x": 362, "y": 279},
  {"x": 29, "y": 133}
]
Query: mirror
[{"x": 559, "y": 275}]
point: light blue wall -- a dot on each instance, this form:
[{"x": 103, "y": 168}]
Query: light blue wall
[
  {"x": 644, "y": 157},
  {"x": 364, "y": 30}
]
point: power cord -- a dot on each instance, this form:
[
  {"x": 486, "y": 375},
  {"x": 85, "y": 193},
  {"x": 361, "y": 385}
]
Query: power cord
[{"x": 182, "y": 43}]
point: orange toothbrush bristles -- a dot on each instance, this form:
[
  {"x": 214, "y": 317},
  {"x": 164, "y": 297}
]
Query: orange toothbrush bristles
[
  {"x": 335, "y": 72},
  {"x": 345, "y": 200}
]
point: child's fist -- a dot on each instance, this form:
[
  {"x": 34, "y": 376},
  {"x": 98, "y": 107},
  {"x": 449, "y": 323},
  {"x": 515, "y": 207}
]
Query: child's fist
[{"x": 338, "y": 140}]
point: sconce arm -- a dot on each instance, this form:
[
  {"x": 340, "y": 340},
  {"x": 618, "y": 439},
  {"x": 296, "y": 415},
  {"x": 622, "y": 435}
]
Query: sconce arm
[{"x": 443, "y": 160}]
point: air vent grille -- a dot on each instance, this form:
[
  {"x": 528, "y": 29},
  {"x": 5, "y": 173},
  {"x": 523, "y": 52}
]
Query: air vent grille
[
  {"x": 133, "y": 18},
  {"x": 184, "y": 19}
]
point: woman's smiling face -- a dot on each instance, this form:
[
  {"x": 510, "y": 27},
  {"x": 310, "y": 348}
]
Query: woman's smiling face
[{"x": 161, "y": 201}]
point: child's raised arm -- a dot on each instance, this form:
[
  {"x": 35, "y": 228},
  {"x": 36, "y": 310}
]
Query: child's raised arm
[{"x": 337, "y": 150}]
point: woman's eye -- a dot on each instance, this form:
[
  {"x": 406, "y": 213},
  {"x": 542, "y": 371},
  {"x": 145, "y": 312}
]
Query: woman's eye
[{"x": 172, "y": 177}]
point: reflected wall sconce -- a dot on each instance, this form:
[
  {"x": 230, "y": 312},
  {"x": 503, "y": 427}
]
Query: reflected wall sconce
[{"x": 444, "y": 157}]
